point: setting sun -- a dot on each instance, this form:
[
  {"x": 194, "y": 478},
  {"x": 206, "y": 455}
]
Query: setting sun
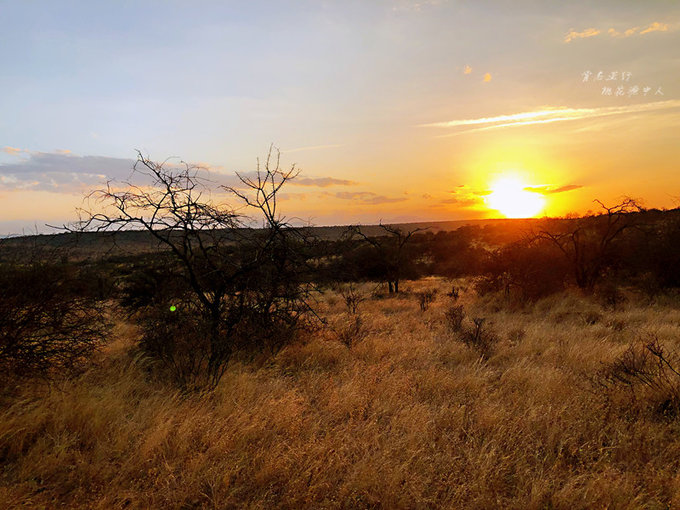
[{"x": 510, "y": 197}]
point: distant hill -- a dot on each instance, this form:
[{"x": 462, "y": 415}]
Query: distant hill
[
  {"x": 142, "y": 240},
  {"x": 139, "y": 241}
]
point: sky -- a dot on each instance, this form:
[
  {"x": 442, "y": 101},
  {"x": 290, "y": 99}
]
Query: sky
[{"x": 393, "y": 110}]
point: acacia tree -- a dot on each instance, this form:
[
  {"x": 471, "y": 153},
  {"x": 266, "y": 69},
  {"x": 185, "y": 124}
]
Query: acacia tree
[
  {"x": 236, "y": 288},
  {"x": 588, "y": 243},
  {"x": 389, "y": 250}
]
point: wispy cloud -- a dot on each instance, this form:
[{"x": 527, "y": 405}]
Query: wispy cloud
[
  {"x": 462, "y": 202},
  {"x": 321, "y": 182},
  {"x": 489, "y": 120},
  {"x": 573, "y": 34},
  {"x": 64, "y": 172},
  {"x": 12, "y": 150},
  {"x": 366, "y": 197},
  {"x": 549, "y": 115},
  {"x": 626, "y": 33},
  {"x": 548, "y": 190},
  {"x": 656, "y": 26},
  {"x": 61, "y": 172},
  {"x": 291, "y": 196},
  {"x": 463, "y": 197}
]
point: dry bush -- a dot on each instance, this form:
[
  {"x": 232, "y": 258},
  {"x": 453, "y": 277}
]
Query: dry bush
[
  {"x": 48, "y": 327},
  {"x": 454, "y": 317},
  {"x": 352, "y": 296},
  {"x": 352, "y": 330},
  {"x": 454, "y": 293},
  {"x": 649, "y": 373},
  {"x": 479, "y": 337},
  {"x": 426, "y": 298}
]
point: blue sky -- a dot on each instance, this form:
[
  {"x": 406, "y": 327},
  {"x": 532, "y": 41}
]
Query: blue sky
[{"x": 348, "y": 90}]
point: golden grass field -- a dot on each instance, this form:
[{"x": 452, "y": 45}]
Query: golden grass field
[{"x": 407, "y": 417}]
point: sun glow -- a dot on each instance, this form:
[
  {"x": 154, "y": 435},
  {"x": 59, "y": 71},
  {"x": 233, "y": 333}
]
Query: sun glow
[{"x": 510, "y": 197}]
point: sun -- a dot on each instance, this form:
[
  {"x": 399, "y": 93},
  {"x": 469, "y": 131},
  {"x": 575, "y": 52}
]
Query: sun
[{"x": 510, "y": 197}]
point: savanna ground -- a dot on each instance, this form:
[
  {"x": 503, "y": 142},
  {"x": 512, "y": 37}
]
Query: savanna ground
[{"x": 407, "y": 416}]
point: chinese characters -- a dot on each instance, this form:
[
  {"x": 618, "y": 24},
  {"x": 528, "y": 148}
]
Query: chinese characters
[{"x": 621, "y": 86}]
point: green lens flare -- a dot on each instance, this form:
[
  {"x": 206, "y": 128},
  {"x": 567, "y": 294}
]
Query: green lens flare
[{"x": 173, "y": 308}]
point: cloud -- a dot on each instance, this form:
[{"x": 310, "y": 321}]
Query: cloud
[
  {"x": 321, "y": 182},
  {"x": 549, "y": 115},
  {"x": 626, "y": 33},
  {"x": 291, "y": 196},
  {"x": 588, "y": 32},
  {"x": 64, "y": 172},
  {"x": 655, "y": 27},
  {"x": 547, "y": 190},
  {"x": 487, "y": 120},
  {"x": 487, "y": 77},
  {"x": 379, "y": 199},
  {"x": 366, "y": 197},
  {"x": 463, "y": 202},
  {"x": 207, "y": 166},
  {"x": 464, "y": 198},
  {"x": 12, "y": 150},
  {"x": 467, "y": 70},
  {"x": 352, "y": 195},
  {"x": 61, "y": 172},
  {"x": 637, "y": 30}
]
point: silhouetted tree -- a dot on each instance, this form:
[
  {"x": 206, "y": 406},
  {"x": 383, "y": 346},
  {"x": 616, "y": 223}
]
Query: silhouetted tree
[
  {"x": 228, "y": 286},
  {"x": 528, "y": 269},
  {"x": 389, "y": 250},
  {"x": 588, "y": 243}
]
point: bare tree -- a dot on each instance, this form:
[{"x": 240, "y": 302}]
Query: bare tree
[
  {"x": 389, "y": 249},
  {"x": 239, "y": 287},
  {"x": 587, "y": 243}
]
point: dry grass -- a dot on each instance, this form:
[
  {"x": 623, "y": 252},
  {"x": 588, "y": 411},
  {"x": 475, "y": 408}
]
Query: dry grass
[{"x": 407, "y": 417}]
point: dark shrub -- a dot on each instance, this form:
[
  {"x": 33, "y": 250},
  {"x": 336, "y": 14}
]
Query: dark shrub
[
  {"x": 454, "y": 318},
  {"x": 426, "y": 298},
  {"x": 649, "y": 373},
  {"x": 47, "y": 328},
  {"x": 526, "y": 270},
  {"x": 479, "y": 337}
]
